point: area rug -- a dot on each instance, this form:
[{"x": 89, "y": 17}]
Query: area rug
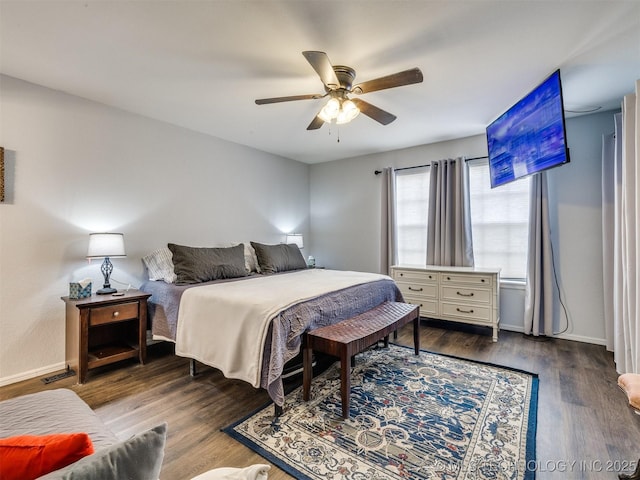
[{"x": 412, "y": 417}]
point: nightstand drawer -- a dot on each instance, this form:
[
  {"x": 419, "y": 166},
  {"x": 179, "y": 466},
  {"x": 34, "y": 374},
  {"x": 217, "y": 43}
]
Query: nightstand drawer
[{"x": 113, "y": 313}]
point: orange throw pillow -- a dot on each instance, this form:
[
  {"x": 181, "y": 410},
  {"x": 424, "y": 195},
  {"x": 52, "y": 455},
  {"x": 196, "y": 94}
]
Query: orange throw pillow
[{"x": 27, "y": 457}]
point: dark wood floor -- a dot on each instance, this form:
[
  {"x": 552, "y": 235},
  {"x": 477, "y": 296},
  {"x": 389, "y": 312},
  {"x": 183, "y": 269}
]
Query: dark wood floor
[{"x": 585, "y": 428}]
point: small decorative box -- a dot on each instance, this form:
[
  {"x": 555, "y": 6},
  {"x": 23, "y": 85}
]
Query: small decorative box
[{"x": 81, "y": 289}]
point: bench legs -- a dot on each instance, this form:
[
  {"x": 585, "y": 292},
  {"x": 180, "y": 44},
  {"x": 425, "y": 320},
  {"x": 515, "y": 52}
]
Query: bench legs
[
  {"x": 347, "y": 360},
  {"x": 307, "y": 371},
  {"x": 345, "y": 380}
]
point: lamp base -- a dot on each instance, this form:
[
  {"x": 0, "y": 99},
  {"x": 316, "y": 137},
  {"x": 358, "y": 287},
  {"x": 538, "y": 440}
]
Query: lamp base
[{"x": 106, "y": 291}]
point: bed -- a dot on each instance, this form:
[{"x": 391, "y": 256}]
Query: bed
[{"x": 250, "y": 325}]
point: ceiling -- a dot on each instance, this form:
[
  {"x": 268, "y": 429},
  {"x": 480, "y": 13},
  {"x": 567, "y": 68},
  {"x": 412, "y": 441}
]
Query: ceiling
[{"x": 201, "y": 64}]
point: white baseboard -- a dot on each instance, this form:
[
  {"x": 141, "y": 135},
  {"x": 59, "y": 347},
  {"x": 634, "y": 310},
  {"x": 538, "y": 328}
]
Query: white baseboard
[
  {"x": 581, "y": 338},
  {"x": 32, "y": 374},
  {"x": 512, "y": 328},
  {"x": 563, "y": 336}
]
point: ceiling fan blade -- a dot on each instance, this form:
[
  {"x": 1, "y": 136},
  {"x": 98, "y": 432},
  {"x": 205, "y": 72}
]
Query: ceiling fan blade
[
  {"x": 316, "y": 123},
  {"x": 264, "y": 101},
  {"x": 379, "y": 115},
  {"x": 321, "y": 64},
  {"x": 399, "y": 79}
]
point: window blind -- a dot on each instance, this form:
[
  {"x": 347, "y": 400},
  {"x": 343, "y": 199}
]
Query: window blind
[
  {"x": 412, "y": 202},
  {"x": 499, "y": 222}
]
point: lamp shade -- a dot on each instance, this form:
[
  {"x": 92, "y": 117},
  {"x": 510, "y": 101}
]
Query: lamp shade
[
  {"x": 330, "y": 110},
  {"x": 103, "y": 245},
  {"x": 348, "y": 112},
  {"x": 295, "y": 238}
]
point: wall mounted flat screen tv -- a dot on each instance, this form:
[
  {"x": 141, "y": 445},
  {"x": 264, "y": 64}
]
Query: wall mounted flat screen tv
[{"x": 529, "y": 137}]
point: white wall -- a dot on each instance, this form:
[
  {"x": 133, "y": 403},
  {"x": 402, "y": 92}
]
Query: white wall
[
  {"x": 346, "y": 205},
  {"x": 575, "y": 192},
  {"x": 75, "y": 166}
]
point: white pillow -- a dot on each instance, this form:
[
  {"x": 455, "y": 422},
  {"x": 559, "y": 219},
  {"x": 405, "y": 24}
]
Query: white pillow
[
  {"x": 258, "y": 471},
  {"x": 250, "y": 258},
  {"x": 160, "y": 265}
]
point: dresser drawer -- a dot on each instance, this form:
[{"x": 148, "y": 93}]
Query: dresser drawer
[
  {"x": 427, "y": 307},
  {"x": 113, "y": 313},
  {"x": 462, "y": 293},
  {"x": 412, "y": 276},
  {"x": 419, "y": 290},
  {"x": 475, "y": 313},
  {"x": 466, "y": 279}
]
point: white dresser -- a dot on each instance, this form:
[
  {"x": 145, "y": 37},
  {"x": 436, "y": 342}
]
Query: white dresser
[{"x": 459, "y": 294}]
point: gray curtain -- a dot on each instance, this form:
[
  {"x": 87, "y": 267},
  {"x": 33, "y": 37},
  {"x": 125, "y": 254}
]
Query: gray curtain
[
  {"x": 449, "y": 240},
  {"x": 621, "y": 241},
  {"x": 538, "y": 306},
  {"x": 611, "y": 195},
  {"x": 388, "y": 246}
]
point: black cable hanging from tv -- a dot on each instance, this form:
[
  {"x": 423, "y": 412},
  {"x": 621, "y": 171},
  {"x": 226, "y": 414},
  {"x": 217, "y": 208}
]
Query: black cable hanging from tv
[{"x": 378, "y": 172}]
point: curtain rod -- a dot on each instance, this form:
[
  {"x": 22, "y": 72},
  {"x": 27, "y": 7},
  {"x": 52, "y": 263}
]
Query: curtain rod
[{"x": 378, "y": 172}]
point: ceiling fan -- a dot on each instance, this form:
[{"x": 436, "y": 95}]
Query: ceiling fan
[{"x": 338, "y": 85}]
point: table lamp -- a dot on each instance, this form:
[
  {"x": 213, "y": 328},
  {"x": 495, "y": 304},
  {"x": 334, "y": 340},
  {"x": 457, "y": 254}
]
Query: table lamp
[
  {"x": 295, "y": 238},
  {"x": 106, "y": 245}
]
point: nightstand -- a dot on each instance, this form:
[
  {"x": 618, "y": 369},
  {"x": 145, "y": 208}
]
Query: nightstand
[{"x": 104, "y": 329}]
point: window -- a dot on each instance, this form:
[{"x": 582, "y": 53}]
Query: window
[
  {"x": 499, "y": 222},
  {"x": 412, "y": 201},
  {"x": 499, "y": 219}
]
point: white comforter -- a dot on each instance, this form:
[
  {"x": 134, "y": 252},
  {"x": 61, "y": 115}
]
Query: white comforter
[{"x": 225, "y": 325}]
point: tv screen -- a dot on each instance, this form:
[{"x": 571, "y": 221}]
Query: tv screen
[{"x": 529, "y": 137}]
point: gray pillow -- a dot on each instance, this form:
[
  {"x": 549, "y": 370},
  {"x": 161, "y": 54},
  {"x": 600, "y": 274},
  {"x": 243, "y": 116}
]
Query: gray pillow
[
  {"x": 278, "y": 258},
  {"x": 138, "y": 458},
  {"x": 197, "y": 265}
]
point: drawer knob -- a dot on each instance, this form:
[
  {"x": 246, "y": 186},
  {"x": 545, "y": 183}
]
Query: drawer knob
[
  {"x": 482, "y": 280},
  {"x": 402, "y": 274},
  {"x": 465, "y": 294},
  {"x": 116, "y": 314},
  {"x": 415, "y": 289},
  {"x": 463, "y": 311},
  {"x": 448, "y": 278}
]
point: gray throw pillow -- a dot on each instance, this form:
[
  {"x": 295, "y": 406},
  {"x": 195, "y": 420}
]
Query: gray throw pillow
[
  {"x": 278, "y": 258},
  {"x": 138, "y": 458},
  {"x": 201, "y": 264}
]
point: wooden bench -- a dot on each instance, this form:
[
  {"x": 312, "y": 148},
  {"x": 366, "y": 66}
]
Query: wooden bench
[{"x": 352, "y": 336}]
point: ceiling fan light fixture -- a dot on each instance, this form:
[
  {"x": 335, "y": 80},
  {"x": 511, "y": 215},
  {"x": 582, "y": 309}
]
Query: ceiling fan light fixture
[
  {"x": 330, "y": 110},
  {"x": 339, "y": 109},
  {"x": 348, "y": 112}
]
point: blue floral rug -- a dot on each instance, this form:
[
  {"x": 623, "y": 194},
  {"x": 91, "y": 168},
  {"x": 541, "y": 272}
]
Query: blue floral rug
[{"x": 412, "y": 417}]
